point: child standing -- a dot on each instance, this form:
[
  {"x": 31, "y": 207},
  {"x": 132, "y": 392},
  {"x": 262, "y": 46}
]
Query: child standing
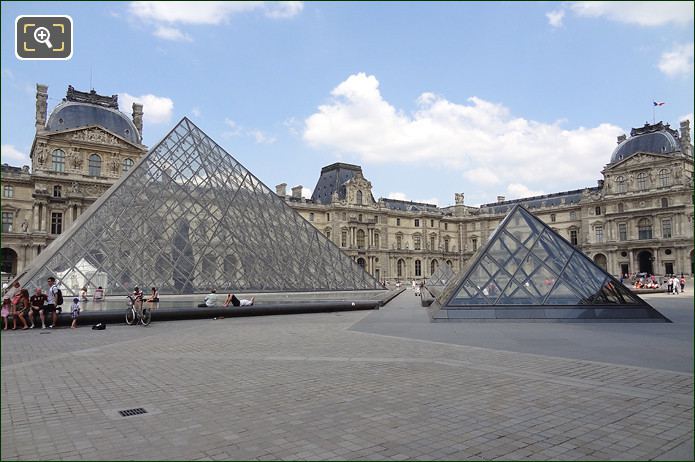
[
  {"x": 5, "y": 312},
  {"x": 75, "y": 309}
]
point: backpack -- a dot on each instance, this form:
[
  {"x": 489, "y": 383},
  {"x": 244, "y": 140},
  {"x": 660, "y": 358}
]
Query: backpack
[
  {"x": 59, "y": 297},
  {"x": 100, "y": 326}
]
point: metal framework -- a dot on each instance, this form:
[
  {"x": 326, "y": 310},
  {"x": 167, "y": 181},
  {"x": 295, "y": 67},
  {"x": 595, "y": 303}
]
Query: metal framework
[
  {"x": 186, "y": 218},
  {"x": 527, "y": 270}
]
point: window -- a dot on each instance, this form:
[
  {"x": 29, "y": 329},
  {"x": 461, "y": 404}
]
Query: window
[
  {"x": 446, "y": 226},
  {"x": 57, "y": 191},
  {"x": 552, "y": 218},
  {"x": 58, "y": 158},
  {"x": 56, "y": 223},
  {"x": 664, "y": 178},
  {"x": 664, "y": 202},
  {"x": 446, "y": 244},
  {"x": 398, "y": 221},
  {"x": 360, "y": 239},
  {"x": 416, "y": 243},
  {"x": 641, "y": 181},
  {"x": 431, "y": 223},
  {"x": 621, "y": 184},
  {"x": 622, "y": 231},
  {"x": 328, "y": 233},
  {"x": 359, "y": 217},
  {"x": 358, "y": 198},
  {"x": 399, "y": 268},
  {"x": 7, "y": 218},
  {"x": 328, "y": 216},
  {"x": 343, "y": 238},
  {"x": 598, "y": 210},
  {"x": 474, "y": 243},
  {"x": 311, "y": 216},
  {"x": 644, "y": 228},
  {"x": 621, "y": 208},
  {"x": 376, "y": 240},
  {"x": 573, "y": 236},
  {"x": 666, "y": 231},
  {"x": 433, "y": 266},
  {"x": 8, "y": 191},
  {"x": 94, "y": 165},
  {"x": 418, "y": 268},
  {"x": 417, "y": 223},
  {"x": 599, "y": 233},
  {"x": 573, "y": 215},
  {"x": 432, "y": 240},
  {"x": 127, "y": 163},
  {"x": 399, "y": 241},
  {"x": 344, "y": 216}
]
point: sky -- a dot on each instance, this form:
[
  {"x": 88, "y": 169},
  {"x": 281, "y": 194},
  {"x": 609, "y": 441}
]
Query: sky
[{"x": 431, "y": 99}]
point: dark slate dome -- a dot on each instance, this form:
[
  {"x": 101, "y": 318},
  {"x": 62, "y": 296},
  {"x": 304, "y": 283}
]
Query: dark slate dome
[
  {"x": 655, "y": 139},
  {"x": 69, "y": 115}
]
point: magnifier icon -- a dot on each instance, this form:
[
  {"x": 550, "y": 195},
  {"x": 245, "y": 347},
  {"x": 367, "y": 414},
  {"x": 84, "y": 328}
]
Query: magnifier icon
[{"x": 43, "y": 35}]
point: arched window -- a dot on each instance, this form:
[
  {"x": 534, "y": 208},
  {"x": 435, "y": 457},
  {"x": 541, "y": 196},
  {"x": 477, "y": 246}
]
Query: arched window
[
  {"x": 664, "y": 178},
  {"x": 664, "y": 202},
  {"x": 360, "y": 239},
  {"x": 641, "y": 181},
  {"x": 400, "y": 266},
  {"x": 446, "y": 244},
  {"x": 621, "y": 208},
  {"x": 343, "y": 238},
  {"x": 432, "y": 241},
  {"x": 418, "y": 268},
  {"x": 358, "y": 198},
  {"x": 450, "y": 264},
  {"x": 127, "y": 163},
  {"x": 399, "y": 241},
  {"x": 621, "y": 184},
  {"x": 58, "y": 158},
  {"x": 57, "y": 191},
  {"x": 94, "y": 165},
  {"x": 417, "y": 242},
  {"x": 644, "y": 228},
  {"x": 361, "y": 262},
  {"x": 376, "y": 240},
  {"x": 433, "y": 266}
]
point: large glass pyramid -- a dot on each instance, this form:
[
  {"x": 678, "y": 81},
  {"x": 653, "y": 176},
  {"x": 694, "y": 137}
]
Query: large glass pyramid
[
  {"x": 527, "y": 271},
  {"x": 187, "y": 218}
]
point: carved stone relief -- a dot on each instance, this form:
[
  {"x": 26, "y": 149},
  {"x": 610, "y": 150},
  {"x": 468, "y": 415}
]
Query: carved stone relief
[{"x": 96, "y": 136}]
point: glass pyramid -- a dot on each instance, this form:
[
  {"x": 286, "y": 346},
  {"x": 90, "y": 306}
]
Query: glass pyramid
[
  {"x": 527, "y": 271},
  {"x": 187, "y": 218},
  {"x": 440, "y": 278}
]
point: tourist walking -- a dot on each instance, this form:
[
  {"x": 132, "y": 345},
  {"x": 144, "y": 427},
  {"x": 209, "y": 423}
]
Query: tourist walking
[
  {"x": 54, "y": 299},
  {"x": 5, "y": 311},
  {"x": 682, "y": 282},
  {"x": 669, "y": 285},
  {"x": 37, "y": 301},
  {"x": 75, "y": 312}
]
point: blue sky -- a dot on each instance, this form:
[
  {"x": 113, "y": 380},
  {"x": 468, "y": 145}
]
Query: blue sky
[{"x": 431, "y": 99}]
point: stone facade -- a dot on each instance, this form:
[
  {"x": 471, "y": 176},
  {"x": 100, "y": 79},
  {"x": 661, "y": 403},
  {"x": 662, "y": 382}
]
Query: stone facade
[
  {"x": 638, "y": 219},
  {"x": 79, "y": 151}
]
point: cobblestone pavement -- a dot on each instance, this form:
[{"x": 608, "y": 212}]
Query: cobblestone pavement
[{"x": 309, "y": 387}]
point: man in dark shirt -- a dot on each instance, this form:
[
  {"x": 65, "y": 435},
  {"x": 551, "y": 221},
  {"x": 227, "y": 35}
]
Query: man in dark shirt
[{"x": 37, "y": 302}]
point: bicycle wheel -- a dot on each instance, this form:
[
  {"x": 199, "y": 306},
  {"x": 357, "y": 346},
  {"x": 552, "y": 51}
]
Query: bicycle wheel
[
  {"x": 146, "y": 317},
  {"x": 130, "y": 316}
]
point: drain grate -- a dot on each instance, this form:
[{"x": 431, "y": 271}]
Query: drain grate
[{"x": 131, "y": 412}]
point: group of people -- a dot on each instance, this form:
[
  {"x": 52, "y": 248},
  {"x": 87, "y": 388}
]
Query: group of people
[
  {"x": 210, "y": 300},
  {"x": 18, "y": 305},
  {"x": 674, "y": 284}
]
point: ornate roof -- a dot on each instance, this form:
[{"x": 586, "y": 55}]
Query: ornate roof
[{"x": 654, "y": 139}]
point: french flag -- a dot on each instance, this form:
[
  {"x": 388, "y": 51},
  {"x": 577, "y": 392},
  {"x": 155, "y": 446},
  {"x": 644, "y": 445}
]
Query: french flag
[{"x": 659, "y": 103}]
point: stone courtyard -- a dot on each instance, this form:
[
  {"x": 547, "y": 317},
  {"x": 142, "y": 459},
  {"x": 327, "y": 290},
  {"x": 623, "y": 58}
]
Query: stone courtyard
[{"x": 376, "y": 385}]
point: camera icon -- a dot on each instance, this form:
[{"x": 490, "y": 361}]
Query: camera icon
[{"x": 41, "y": 37}]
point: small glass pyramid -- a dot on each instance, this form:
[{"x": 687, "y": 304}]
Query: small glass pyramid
[
  {"x": 440, "y": 278},
  {"x": 527, "y": 271},
  {"x": 187, "y": 218}
]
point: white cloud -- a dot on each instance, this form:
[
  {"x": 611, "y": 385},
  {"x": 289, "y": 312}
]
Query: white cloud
[
  {"x": 260, "y": 137},
  {"x": 518, "y": 190},
  {"x": 172, "y": 33},
  {"x": 13, "y": 156},
  {"x": 234, "y": 128},
  {"x": 7, "y": 74},
  {"x": 156, "y": 109},
  {"x": 165, "y": 14},
  {"x": 640, "y": 13},
  {"x": 398, "y": 196},
  {"x": 678, "y": 61},
  {"x": 196, "y": 112},
  {"x": 555, "y": 17},
  {"x": 237, "y": 130},
  {"x": 481, "y": 139},
  {"x": 306, "y": 192}
]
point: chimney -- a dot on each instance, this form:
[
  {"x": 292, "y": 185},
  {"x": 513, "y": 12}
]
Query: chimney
[
  {"x": 297, "y": 192},
  {"x": 500, "y": 199},
  {"x": 685, "y": 137},
  {"x": 622, "y": 138},
  {"x": 41, "y": 105},
  {"x": 137, "y": 118},
  {"x": 281, "y": 190}
]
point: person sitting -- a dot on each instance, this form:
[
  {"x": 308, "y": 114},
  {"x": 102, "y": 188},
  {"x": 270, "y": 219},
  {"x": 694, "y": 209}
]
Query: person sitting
[
  {"x": 83, "y": 294},
  {"x": 231, "y": 298},
  {"x": 98, "y": 294},
  {"x": 210, "y": 300}
]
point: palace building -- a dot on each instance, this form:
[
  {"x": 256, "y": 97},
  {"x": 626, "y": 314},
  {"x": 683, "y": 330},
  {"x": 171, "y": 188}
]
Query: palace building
[
  {"x": 639, "y": 217},
  {"x": 78, "y": 152}
]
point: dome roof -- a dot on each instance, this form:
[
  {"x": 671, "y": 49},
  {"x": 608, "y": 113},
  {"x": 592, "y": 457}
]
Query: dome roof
[
  {"x": 70, "y": 114},
  {"x": 656, "y": 142}
]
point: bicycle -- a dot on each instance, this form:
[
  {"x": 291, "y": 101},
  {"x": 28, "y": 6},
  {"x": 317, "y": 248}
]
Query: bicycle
[{"x": 135, "y": 314}]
